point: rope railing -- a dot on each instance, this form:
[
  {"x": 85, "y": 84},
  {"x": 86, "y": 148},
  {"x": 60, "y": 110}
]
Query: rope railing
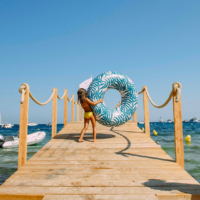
[
  {"x": 141, "y": 91},
  {"x": 62, "y": 96},
  {"x": 77, "y": 102},
  {"x": 176, "y": 88},
  {"x": 69, "y": 99},
  {"x": 23, "y": 89},
  {"x": 175, "y": 94},
  {"x": 39, "y": 103},
  {"x": 23, "y": 128},
  {"x": 164, "y": 104}
]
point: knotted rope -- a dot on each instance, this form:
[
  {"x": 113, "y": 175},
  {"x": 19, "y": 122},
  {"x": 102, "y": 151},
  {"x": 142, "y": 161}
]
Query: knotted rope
[
  {"x": 176, "y": 88},
  {"x": 23, "y": 90}
]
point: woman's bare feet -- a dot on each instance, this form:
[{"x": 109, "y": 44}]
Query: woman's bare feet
[
  {"x": 81, "y": 140},
  {"x": 95, "y": 140}
]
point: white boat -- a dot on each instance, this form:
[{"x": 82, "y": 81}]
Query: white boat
[
  {"x": 141, "y": 122},
  {"x": 160, "y": 120},
  {"x": 32, "y": 124},
  {"x": 11, "y": 141},
  {"x": 49, "y": 124},
  {"x": 194, "y": 120},
  {"x": 169, "y": 121},
  {"x": 7, "y": 126}
]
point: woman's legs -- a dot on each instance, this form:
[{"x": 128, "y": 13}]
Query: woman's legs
[
  {"x": 86, "y": 122},
  {"x": 93, "y": 120}
]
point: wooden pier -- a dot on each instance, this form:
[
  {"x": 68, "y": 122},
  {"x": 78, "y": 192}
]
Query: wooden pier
[{"x": 125, "y": 164}]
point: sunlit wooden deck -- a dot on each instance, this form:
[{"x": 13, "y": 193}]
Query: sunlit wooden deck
[{"x": 124, "y": 164}]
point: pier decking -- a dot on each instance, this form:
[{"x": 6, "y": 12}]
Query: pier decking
[{"x": 125, "y": 164}]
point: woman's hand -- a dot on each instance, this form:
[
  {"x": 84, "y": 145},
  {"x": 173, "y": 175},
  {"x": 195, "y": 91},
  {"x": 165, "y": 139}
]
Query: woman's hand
[{"x": 101, "y": 100}]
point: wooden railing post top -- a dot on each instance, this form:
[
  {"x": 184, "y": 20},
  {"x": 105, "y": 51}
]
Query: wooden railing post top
[{"x": 145, "y": 87}]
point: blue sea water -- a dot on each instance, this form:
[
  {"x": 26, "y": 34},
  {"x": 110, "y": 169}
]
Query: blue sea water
[
  {"x": 9, "y": 157},
  {"x": 165, "y": 137}
]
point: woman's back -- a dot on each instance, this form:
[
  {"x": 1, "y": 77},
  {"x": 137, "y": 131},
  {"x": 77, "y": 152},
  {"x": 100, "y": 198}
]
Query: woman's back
[{"x": 86, "y": 107}]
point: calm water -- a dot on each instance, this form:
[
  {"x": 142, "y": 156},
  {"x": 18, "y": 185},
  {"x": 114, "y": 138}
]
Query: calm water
[
  {"x": 9, "y": 157},
  {"x": 165, "y": 137}
]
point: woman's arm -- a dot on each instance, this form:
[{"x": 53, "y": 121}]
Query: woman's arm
[{"x": 93, "y": 103}]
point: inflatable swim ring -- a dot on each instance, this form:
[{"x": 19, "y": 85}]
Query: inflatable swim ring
[{"x": 129, "y": 98}]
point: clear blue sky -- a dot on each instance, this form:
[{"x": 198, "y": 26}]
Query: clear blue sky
[{"x": 61, "y": 43}]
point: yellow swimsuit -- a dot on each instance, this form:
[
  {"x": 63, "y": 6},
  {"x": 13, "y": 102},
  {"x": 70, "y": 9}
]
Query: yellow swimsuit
[{"x": 87, "y": 115}]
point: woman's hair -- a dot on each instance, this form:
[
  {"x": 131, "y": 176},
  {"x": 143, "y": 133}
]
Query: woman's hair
[{"x": 82, "y": 93}]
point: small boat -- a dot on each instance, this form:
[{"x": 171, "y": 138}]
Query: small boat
[
  {"x": 7, "y": 125},
  {"x": 12, "y": 141},
  {"x": 49, "y": 124},
  {"x": 160, "y": 120},
  {"x": 142, "y": 122},
  {"x": 32, "y": 124},
  {"x": 169, "y": 121},
  {"x": 185, "y": 121},
  {"x": 193, "y": 120}
]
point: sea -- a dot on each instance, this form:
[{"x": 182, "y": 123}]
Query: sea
[{"x": 165, "y": 138}]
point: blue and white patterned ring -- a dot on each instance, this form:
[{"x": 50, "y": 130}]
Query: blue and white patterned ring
[{"x": 129, "y": 98}]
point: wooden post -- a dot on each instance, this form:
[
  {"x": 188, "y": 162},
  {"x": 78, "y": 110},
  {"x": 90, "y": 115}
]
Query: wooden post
[
  {"x": 178, "y": 131},
  {"x": 77, "y": 109},
  {"x": 81, "y": 113},
  {"x": 65, "y": 107},
  {"x": 23, "y": 129},
  {"x": 72, "y": 107},
  {"x": 135, "y": 117},
  {"x": 146, "y": 112},
  {"x": 54, "y": 114}
]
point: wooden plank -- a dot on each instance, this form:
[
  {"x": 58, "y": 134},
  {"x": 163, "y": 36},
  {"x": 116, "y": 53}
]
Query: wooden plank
[
  {"x": 100, "y": 197},
  {"x": 21, "y": 196},
  {"x": 93, "y": 176},
  {"x": 151, "y": 163},
  {"x": 99, "y": 190},
  {"x": 60, "y": 181},
  {"x": 117, "y": 168},
  {"x": 139, "y": 151},
  {"x": 178, "y": 196},
  {"x": 104, "y": 157}
]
